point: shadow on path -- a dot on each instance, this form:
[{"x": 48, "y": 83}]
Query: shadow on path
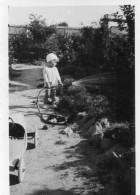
[
  {"x": 13, "y": 179},
  {"x": 30, "y": 146},
  {"x": 47, "y": 191}
]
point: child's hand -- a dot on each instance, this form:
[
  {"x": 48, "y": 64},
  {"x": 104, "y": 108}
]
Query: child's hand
[
  {"x": 47, "y": 85},
  {"x": 60, "y": 83}
]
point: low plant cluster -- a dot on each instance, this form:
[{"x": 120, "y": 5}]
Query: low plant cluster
[
  {"x": 121, "y": 133},
  {"x": 76, "y": 99}
]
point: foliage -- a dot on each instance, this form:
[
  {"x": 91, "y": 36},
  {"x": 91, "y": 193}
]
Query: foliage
[
  {"x": 65, "y": 105},
  {"x": 74, "y": 90},
  {"x": 67, "y": 79},
  {"x": 73, "y": 70},
  {"x": 66, "y": 52},
  {"x": 129, "y": 24},
  {"x": 88, "y": 54},
  {"x": 129, "y": 13},
  {"x": 11, "y": 52},
  {"x": 36, "y": 43},
  {"x": 75, "y": 100},
  {"x": 100, "y": 51},
  {"x": 63, "y": 24},
  {"x": 39, "y": 32},
  {"x": 121, "y": 133},
  {"x": 21, "y": 50},
  {"x": 84, "y": 47},
  {"x": 100, "y": 106}
]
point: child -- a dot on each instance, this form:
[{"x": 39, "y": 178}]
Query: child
[{"x": 51, "y": 76}]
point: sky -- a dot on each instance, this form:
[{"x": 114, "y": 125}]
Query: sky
[{"x": 75, "y": 16}]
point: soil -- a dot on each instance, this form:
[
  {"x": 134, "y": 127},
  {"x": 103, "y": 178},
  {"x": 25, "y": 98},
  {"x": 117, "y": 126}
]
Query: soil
[{"x": 59, "y": 165}]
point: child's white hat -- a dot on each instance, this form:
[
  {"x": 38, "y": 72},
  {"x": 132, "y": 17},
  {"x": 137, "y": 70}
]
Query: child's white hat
[{"x": 51, "y": 57}]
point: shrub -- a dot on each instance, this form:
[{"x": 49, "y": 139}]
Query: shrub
[
  {"x": 74, "y": 100},
  {"x": 66, "y": 50},
  {"x": 100, "y": 106},
  {"x": 121, "y": 133},
  {"x": 66, "y": 105},
  {"x": 83, "y": 102},
  {"x": 67, "y": 79},
  {"x": 73, "y": 70},
  {"x": 73, "y": 90}
]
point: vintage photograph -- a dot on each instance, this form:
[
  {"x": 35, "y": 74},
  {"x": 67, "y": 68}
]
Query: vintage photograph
[{"x": 71, "y": 99}]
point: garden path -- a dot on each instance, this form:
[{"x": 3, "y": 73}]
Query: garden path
[{"x": 59, "y": 165}]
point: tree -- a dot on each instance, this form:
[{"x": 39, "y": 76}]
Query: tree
[
  {"x": 129, "y": 25},
  {"x": 39, "y": 29},
  {"x": 129, "y": 13},
  {"x": 40, "y": 33},
  {"x": 63, "y": 24},
  {"x": 119, "y": 50}
]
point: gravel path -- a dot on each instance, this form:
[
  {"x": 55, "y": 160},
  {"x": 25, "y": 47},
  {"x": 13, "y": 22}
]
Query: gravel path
[{"x": 59, "y": 165}]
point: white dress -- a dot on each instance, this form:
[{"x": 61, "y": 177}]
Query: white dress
[{"x": 51, "y": 75}]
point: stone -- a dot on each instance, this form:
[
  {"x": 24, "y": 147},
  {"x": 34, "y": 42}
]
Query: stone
[
  {"x": 45, "y": 127},
  {"x": 67, "y": 131},
  {"x": 95, "y": 139},
  {"x": 96, "y": 128},
  {"x": 91, "y": 130}
]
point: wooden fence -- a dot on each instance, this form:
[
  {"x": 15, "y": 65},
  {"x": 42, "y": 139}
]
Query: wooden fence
[{"x": 66, "y": 31}]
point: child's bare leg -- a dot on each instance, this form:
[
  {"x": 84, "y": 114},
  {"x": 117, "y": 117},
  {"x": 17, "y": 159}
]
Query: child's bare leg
[
  {"x": 47, "y": 95},
  {"x": 54, "y": 94}
]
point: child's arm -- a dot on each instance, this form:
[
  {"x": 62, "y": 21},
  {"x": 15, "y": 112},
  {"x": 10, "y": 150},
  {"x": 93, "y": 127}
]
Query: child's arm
[
  {"x": 46, "y": 81},
  {"x": 58, "y": 77}
]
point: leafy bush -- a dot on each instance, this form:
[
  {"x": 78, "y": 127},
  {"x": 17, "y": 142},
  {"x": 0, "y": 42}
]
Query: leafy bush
[
  {"x": 39, "y": 32},
  {"x": 121, "y": 133},
  {"x": 35, "y": 44},
  {"x": 11, "y": 52},
  {"x": 74, "y": 71},
  {"x": 74, "y": 100},
  {"x": 100, "y": 106},
  {"x": 73, "y": 90},
  {"x": 67, "y": 79},
  {"x": 66, "y": 50},
  {"x": 83, "y": 102},
  {"x": 66, "y": 105}
]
